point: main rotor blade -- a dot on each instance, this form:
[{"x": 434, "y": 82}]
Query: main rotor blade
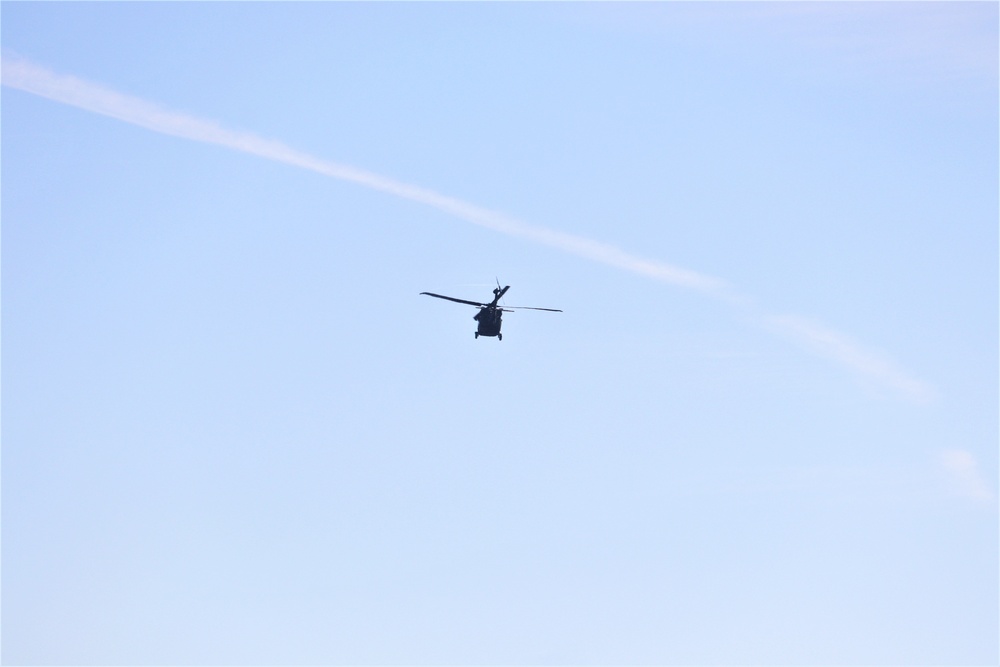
[
  {"x": 451, "y": 298},
  {"x": 551, "y": 310}
]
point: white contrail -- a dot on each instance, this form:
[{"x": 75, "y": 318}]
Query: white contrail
[
  {"x": 839, "y": 347},
  {"x": 23, "y": 75},
  {"x": 26, "y": 76}
]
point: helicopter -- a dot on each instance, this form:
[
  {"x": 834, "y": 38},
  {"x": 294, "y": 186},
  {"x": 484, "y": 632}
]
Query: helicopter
[{"x": 490, "y": 314}]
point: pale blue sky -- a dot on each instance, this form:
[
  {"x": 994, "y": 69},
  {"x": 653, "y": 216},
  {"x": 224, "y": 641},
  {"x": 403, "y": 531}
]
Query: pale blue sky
[{"x": 764, "y": 430}]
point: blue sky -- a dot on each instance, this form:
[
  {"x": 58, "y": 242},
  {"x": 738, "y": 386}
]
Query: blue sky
[{"x": 763, "y": 431}]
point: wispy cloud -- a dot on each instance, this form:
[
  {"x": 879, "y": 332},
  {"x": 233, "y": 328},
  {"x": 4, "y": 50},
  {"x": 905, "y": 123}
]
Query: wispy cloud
[
  {"x": 24, "y": 75},
  {"x": 29, "y": 77},
  {"x": 963, "y": 473},
  {"x": 851, "y": 354},
  {"x": 927, "y": 42}
]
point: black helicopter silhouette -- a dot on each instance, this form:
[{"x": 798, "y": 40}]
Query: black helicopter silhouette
[{"x": 490, "y": 314}]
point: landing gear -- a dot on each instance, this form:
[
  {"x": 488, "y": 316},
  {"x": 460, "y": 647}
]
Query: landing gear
[
  {"x": 499, "y": 336},
  {"x": 477, "y": 335}
]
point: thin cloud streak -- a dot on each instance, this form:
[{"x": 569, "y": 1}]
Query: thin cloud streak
[
  {"x": 23, "y": 75},
  {"x": 963, "y": 471},
  {"x": 31, "y": 78},
  {"x": 849, "y": 353}
]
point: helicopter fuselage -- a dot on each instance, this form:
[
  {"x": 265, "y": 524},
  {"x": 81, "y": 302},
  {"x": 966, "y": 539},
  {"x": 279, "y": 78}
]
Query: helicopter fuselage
[{"x": 489, "y": 321}]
